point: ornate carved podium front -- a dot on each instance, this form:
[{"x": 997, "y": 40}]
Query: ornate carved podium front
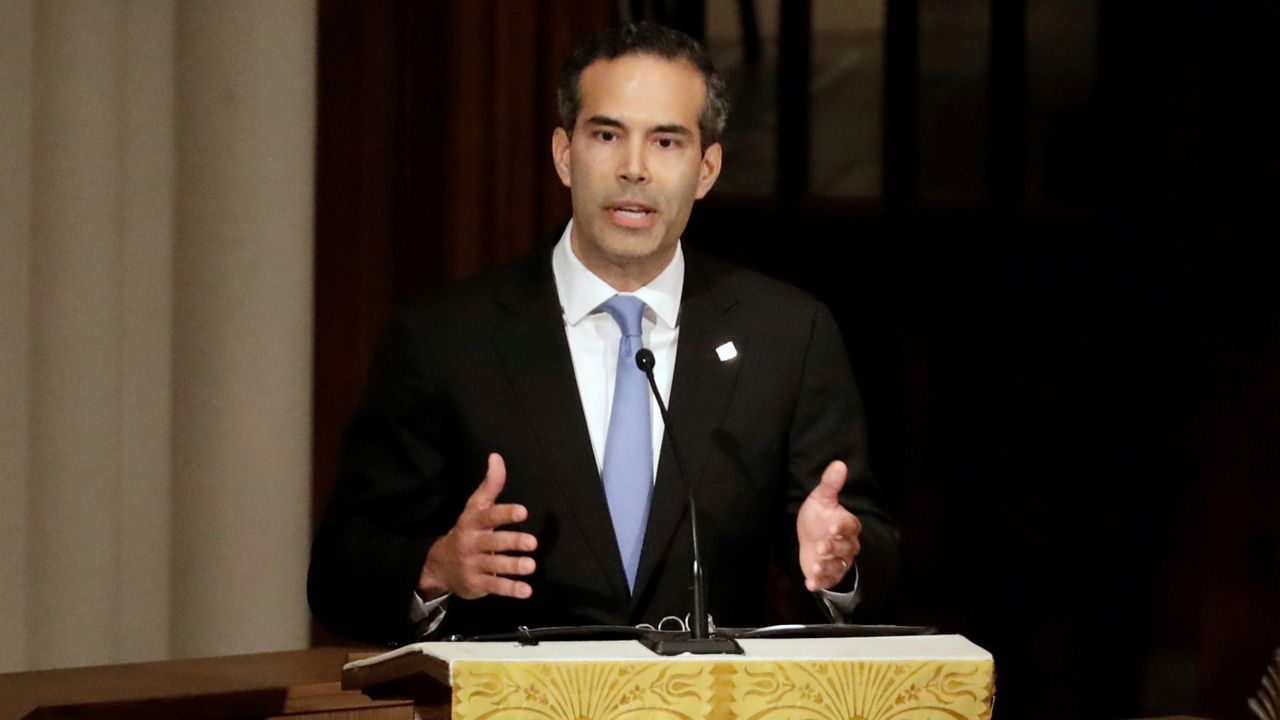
[{"x": 899, "y": 678}]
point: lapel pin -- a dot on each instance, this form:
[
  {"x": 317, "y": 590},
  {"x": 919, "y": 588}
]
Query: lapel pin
[{"x": 727, "y": 352}]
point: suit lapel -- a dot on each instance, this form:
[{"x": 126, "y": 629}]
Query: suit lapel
[
  {"x": 535, "y": 354},
  {"x": 700, "y": 392}
]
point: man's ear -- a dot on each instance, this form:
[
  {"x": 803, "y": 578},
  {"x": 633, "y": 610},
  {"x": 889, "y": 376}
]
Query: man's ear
[
  {"x": 560, "y": 155},
  {"x": 710, "y": 169}
]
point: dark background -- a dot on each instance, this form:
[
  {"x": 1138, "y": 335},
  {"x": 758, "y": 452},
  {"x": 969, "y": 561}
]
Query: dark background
[{"x": 1067, "y": 331}]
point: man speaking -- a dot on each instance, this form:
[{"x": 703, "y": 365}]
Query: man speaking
[{"x": 507, "y": 465}]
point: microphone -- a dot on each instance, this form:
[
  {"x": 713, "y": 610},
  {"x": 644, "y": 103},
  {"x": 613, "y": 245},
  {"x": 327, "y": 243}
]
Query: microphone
[{"x": 700, "y": 642}]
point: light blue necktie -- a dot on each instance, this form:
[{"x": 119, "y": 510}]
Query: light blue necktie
[{"x": 628, "y": 449}]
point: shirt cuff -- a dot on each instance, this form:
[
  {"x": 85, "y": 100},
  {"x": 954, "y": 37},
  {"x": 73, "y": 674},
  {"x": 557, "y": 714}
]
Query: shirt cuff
[
  {"x": 426, "y": 615},
  {"x": 839, "y": 605}
]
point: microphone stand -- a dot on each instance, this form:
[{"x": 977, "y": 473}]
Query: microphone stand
[{"x": 700, "y": 640}]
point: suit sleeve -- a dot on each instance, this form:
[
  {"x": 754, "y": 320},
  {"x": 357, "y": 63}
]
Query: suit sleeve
[
  {"x": 391, "y": 501},
  {"x": 828, "y": 425}
]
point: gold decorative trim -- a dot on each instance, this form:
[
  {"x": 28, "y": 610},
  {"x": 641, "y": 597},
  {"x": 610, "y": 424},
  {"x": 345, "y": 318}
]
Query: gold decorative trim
[{"x": 756, "y": 690}]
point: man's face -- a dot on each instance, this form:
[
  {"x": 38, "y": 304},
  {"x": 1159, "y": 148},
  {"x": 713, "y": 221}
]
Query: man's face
[{"x": 634, "y": 165}]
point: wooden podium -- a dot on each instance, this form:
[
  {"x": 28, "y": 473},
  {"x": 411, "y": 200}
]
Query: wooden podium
[
  {"x": 298, "y": 684},
  {"x": 873, "y": 678},
  {"x": 905, "y": 678}
]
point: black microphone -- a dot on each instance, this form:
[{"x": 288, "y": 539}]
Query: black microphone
[{"x": 701, "y": 642}]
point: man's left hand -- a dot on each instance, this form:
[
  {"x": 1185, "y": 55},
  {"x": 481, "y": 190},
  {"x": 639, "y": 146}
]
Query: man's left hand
[{"x": 828, "y": 533}]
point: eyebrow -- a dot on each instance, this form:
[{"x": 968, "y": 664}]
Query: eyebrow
[
  {"x": 666, "y": 129},
  {"x": 673, "y": 129}
]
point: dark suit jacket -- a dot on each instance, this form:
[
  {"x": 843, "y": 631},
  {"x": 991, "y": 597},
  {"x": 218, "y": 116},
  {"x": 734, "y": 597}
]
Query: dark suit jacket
[{"x": 485, "y": 367}]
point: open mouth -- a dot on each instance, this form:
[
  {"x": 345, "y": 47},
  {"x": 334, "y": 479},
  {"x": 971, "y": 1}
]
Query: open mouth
[{"x": 632, "y": 215}]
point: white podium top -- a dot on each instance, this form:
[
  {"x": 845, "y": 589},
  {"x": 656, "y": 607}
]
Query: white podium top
[{"x": 902, "y": 648}]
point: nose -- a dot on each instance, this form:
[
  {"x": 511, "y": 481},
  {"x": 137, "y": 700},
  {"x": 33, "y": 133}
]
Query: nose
[{"x": 632, "y": 168}]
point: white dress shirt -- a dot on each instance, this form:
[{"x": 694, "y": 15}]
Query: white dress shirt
[{"x": 594, "y": 337}]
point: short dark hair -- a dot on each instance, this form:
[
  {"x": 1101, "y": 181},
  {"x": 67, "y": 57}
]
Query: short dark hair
[{"x": 644, "y": 38}]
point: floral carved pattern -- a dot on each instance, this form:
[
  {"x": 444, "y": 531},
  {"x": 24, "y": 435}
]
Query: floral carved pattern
[
  {"x": 582, "y": 690},
  {"x": 796, "y": 690},
  {"x": 863, "y": 690}
]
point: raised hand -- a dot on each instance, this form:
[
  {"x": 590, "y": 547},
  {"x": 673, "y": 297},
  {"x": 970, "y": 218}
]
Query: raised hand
[
  {"x": 828, "y": 533},
  {"x": 471, "y": 559}
]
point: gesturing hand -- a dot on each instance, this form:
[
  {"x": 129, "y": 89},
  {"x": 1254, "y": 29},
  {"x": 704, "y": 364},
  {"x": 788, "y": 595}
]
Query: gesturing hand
[
  {"x": 470, "y": 560},
  {"x": 828, "y": 533}
]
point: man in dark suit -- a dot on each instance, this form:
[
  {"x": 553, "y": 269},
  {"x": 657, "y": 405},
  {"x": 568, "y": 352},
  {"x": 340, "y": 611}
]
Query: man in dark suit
[{"x": 506, "y": 467}]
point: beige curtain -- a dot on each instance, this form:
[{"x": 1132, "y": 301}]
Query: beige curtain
[{"x": 156, "y": 172}]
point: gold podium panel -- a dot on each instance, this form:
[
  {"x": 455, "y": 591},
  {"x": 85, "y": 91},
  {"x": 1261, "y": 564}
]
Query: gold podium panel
[{"x": 942, "y": 677}]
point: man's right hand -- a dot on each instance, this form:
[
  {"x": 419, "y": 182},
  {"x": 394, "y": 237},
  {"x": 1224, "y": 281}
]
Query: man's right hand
[{"x": 471, "y": 559}]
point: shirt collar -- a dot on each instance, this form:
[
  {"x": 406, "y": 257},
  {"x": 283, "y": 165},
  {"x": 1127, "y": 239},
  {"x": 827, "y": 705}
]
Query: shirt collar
[{"x": 582, "y": 291}]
